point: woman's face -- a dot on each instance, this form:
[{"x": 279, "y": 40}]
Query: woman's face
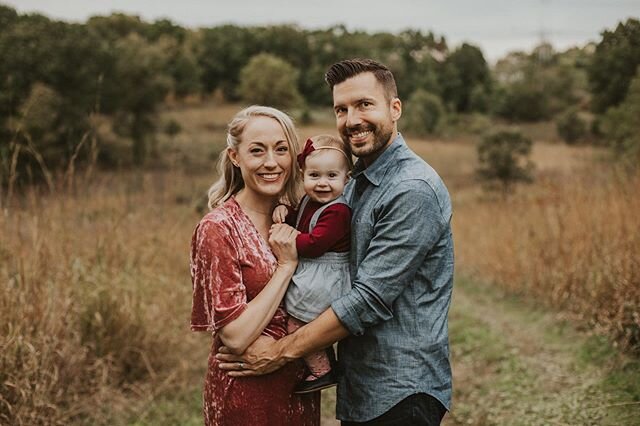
[{"x": 263, "y": 157}]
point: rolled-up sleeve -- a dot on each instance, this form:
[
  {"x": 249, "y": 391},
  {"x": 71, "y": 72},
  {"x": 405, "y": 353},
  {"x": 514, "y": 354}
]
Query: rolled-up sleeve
[{"x": 406, "y": 227}]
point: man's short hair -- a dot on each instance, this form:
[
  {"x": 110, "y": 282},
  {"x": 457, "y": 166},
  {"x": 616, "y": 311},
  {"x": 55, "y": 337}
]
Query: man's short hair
[{"x": 343, "y": 70}]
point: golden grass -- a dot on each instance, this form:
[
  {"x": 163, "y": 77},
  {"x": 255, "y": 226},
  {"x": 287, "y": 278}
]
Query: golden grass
[
  {"x": 88, "y": 310},
  {"x": 96, "y": 293},
  {"x": 570, "y": 241}
]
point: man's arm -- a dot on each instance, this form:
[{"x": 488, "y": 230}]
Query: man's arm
[
  {"x": 266, "y": 355},
  {"x": 408, "y": 226}
]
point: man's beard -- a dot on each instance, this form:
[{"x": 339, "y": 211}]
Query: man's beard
[{"x": 381, "y": 137}]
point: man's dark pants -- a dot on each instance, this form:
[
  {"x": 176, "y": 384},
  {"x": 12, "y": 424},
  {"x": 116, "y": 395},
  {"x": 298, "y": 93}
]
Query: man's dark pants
[{"x": 418, "y": 409}]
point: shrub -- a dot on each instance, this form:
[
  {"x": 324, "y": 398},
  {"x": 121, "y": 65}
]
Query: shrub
[
  {"x": 479, "y": 99},
  {"x": 269, "y": 80},
  {"x": 613, "y": 65},
  {"x": 172, "y": 128},
  {"x": 504, "y": 159},
  {"x": 522, "y": 101},
  {"x": 571, "y": 127},
  {"x": 621, "y": 125},
  {"x": 425, "y": 113},
  {"x": 305, "y": 116}
]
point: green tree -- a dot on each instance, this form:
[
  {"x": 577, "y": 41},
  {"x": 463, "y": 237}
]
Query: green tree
[
  {"x": 49, "y": 85},
  {"x": 269, "y": 80},
  {"x": 503, "y": 159},
  {"x": 8, "y": 17},
  {"x": 424, "y": 113},
  {"x": 571, "y": 127},
  {"x": 521, "y": 101},
  {"x": 165, "y": 28},
  {"x": 221, "y": 54},
  {"x": 63, "y": 56},
  {"x": 614, "y": 64},
  {"x": 464, "y": 70},
  {"x": 116, "y": 26},
  {"x": 134, "y": 89},
  {"x": 479, "y": 99},
  {"x": 535, "y": 86},
  {"x": 621, "y": 125},
  {"x": 181, "y": 65}
]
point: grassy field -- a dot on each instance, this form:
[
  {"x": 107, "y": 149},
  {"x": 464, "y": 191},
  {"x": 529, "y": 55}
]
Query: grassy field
[{"x": 96, "y": 293}]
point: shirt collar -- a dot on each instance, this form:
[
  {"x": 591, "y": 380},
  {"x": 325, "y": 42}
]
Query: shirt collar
[{"x": 376, "y": 171}]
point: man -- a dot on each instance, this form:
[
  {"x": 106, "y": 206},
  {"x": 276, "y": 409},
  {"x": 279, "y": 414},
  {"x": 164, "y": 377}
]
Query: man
[{"x": 392, "y": 326}]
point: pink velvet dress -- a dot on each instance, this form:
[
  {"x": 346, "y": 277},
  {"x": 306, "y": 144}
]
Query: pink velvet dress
[{"x": 230, "y": 264}]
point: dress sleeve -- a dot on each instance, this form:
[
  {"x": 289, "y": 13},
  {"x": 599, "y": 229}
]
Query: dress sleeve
[{"x": 219, "y": 295}]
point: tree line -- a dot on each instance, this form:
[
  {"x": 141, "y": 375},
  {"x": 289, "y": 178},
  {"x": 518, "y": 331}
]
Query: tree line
[{"x": 58, "y": 80}]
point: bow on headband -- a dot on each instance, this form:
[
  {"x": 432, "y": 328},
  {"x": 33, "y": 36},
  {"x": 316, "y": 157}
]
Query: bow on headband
[{"x": 308, "y": 149}]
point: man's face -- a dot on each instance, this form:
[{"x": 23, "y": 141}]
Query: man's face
[{"x": 366, "y": 120}]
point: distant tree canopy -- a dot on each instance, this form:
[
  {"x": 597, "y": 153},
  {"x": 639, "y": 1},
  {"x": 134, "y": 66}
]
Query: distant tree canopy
[
  {"x": 269, "y": 80},
  {"x": 424, "y": 113},
  {"x": 539, "y": 85},
  {"x": 55, "y": 76},
  {"x": 614, "y": 64},
  {"x": 621, "y": 125},
  {"x": 464, "y": 71},
  {"x": 121, "y": 68}
]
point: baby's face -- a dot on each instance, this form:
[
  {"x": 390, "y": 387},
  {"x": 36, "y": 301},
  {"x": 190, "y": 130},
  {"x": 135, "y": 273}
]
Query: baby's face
[{"x": 325, "y": 174}]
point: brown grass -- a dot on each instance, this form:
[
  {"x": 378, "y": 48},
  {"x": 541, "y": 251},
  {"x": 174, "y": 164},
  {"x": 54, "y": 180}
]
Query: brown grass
[
  {"x": 88, "y": 310},
  {"x": 96, "y": 293},
  {"x": 571, "y": 241}
]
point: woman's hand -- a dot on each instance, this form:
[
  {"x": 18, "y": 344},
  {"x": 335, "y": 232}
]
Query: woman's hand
[{"x": 282, "y": 239}]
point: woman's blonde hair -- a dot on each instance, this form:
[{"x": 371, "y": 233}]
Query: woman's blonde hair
[{"x": 230, "y": 178}]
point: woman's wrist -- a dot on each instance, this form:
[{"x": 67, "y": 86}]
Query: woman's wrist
[{"x": 288, "y": 266}]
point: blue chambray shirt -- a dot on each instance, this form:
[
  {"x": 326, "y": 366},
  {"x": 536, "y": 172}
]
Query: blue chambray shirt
[{"x": 402, "y": 276}]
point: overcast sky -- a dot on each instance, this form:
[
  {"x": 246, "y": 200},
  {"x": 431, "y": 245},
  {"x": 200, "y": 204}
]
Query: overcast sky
[{"x": 496, "y": 26}]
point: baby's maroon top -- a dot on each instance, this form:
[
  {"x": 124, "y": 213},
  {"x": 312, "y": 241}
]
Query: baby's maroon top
[
  {"x": 230, "y": 264},
  {"x": 331, "y": 233}
]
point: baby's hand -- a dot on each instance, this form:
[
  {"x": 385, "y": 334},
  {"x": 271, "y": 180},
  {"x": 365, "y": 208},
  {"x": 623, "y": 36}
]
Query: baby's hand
[{"x": 280, "y": 214}]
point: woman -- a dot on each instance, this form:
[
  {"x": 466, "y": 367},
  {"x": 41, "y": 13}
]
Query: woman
[{"x": 239, "y": 279}]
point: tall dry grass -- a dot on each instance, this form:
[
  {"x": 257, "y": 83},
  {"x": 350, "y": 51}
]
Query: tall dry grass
[
  {"x": 572, "y": 240},
  {"x": 95, "y": 299},
  {"x": 95, "y": 295}
]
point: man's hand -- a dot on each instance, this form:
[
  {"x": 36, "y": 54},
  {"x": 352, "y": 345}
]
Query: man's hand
[
  {"x": 261, "y": 357},
  {"x": 280, "y": 214}
]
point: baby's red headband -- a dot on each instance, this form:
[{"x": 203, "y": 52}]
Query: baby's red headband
[{"x": 309, "y": 148}]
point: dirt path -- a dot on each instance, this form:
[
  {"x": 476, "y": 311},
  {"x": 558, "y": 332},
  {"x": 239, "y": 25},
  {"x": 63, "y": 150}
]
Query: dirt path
[{"x": 513, "y": 363}]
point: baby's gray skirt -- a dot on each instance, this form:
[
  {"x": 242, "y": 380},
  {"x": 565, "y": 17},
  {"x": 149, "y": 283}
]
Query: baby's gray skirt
[{"x": 316, "y": 283}]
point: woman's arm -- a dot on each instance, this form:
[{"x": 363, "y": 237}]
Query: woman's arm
[{"x": 238, "y": 334}]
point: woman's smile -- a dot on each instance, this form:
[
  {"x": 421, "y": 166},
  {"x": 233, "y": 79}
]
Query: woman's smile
[{"x": 270, "y": 177}]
